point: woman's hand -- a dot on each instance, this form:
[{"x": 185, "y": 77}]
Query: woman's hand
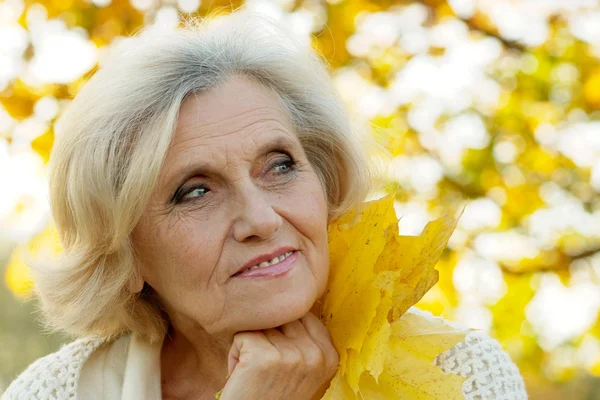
[{"x": 296, "y": 361}]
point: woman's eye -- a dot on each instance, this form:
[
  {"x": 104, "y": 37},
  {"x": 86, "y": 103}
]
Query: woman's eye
[
  {"x": 284, "y": 166},
  {"x": 194, "y": 193}
]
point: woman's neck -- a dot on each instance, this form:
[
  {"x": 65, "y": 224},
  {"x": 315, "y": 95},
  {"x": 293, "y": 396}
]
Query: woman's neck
[{"x": 193, "y": 364}]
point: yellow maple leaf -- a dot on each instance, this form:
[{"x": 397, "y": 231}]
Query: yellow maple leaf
[{"x": 375, "y": 277}]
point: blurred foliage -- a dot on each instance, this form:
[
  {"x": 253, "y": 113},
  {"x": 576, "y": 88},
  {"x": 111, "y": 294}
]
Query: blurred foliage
[
  {"x": 20, "y": 338},
  {"x": 523, "y": 168}
]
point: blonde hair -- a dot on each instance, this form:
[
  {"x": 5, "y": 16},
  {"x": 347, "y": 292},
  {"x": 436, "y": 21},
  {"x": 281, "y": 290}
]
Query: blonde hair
[{"x": 112, "y": 140}]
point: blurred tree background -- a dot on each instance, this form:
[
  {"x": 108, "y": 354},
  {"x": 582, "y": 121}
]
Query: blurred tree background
[{"x": 492, "y": 104}]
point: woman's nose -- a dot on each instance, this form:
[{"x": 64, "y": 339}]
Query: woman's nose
[{"x": 256, "y": 218}]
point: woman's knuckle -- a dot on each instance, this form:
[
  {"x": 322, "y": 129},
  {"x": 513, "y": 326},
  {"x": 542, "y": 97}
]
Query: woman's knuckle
[
  {"x": 271, "y": 358},
  {"x": 315, "y": 357},
  {"x": 333, "y": 360},
  {"x": 334, "y": 355},
  {"x": 293, "y": 357}
]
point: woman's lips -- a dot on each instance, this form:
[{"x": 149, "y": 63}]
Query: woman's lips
[{"x": 272, "y": 270}]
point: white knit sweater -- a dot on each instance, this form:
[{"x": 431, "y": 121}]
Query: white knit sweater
[{"x": 489, "y": 371}]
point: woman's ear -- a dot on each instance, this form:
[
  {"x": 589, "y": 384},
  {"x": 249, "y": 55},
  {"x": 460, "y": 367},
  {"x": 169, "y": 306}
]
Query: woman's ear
[{"x": 136, "y": 282}]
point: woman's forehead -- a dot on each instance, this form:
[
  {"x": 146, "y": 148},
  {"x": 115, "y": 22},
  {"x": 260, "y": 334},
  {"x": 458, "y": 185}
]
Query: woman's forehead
[
  {"x": 242, "y": 128},
  {"x": 243, "y": 140},
  {"x": 238, "y": 108}
]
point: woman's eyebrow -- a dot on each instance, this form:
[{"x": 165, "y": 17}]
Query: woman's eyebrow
[
  {"x": 277, "y": 143},
  {"x": 202, "y": 169}
]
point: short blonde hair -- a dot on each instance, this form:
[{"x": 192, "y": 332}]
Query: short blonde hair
[{"x": 112, "y": 140}]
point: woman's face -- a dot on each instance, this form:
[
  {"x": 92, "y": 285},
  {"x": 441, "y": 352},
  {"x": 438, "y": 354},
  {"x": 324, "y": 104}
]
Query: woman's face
[{"x": 235, "y": 189}]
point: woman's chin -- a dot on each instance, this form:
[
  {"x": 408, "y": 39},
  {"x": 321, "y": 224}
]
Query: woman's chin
[
  {"x": 268, "y": 305},
  {"x": 278, "y": 313}
]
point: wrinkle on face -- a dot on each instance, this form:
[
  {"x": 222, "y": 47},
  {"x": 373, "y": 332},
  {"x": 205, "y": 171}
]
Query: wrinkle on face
[{"x": 239, "y": 121}]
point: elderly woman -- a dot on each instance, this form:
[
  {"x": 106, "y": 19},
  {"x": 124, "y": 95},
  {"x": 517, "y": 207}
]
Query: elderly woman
[{"x": 192, "y": 182}]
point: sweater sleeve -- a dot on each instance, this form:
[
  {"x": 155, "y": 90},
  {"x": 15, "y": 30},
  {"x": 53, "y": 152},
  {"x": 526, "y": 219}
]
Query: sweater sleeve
[{"x": 490, "y": 373}]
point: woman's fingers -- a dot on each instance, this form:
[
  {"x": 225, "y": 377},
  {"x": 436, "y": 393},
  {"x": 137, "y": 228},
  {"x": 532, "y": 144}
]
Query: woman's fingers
[
  {"x": 320, "y": 335},
  {"x": 315, "y": 328},
  {"x": 302, "y": 341},
  {"x": 290, "y": 350},
  {"x": 294, "y": 329},
  {"x": 247, "y": 345},
  {"x": 311, "y": 337},
  {"x": 298, "y": 333}
]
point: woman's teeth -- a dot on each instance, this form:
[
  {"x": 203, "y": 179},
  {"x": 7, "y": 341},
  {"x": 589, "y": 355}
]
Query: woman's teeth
[{"x": 274, "y": 261}]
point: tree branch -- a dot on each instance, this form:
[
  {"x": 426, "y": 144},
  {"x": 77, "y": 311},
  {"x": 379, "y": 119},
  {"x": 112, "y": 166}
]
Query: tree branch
[
  {"x": 474, "y": 24},
  {"x": 563, "y": 262}
]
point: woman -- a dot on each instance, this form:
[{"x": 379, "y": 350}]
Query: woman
[{"x": 192, "y": 182}]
